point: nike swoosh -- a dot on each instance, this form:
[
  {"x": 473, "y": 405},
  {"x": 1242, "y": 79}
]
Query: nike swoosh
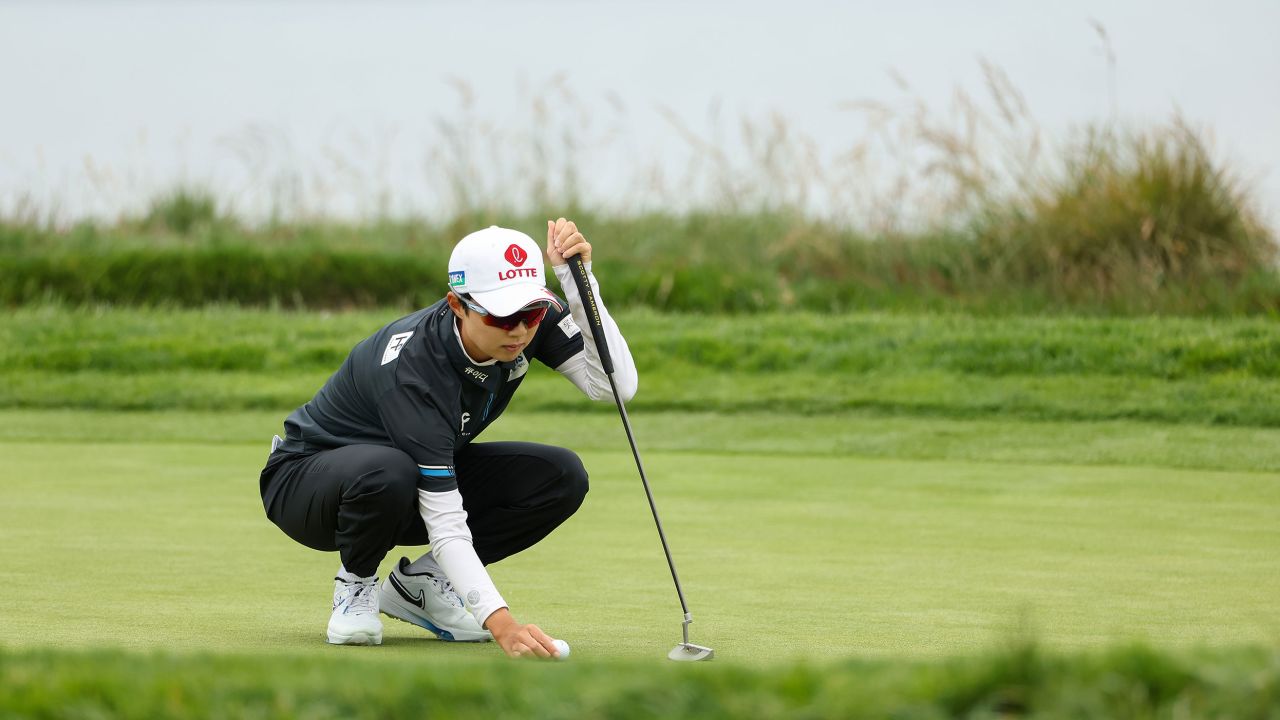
[{"x": 420, "y": 599}]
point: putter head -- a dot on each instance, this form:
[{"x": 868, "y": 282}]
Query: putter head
[{"x": 688, "y": 652}]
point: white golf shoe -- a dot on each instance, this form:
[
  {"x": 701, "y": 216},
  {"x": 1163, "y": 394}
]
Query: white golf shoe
[
  {"x": 428, "y": 601},
  {"x": 355, "y": 618}
]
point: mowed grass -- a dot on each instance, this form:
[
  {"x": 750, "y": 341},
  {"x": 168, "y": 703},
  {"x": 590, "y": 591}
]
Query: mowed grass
[
  {"x": 850, "y": 498},
  {"x": 800, "y": 550},
  {"x": 1196, "y": 371}
]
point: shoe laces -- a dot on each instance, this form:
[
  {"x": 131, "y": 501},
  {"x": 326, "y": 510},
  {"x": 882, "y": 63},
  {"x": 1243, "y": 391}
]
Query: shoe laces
[
  {"x": 361, "y": 597},
  {"x": 444, "y": 588}
]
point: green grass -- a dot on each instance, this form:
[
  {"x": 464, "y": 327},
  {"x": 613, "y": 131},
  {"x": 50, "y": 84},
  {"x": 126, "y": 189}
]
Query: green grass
[
  {"x": 1020, "y": 681},
  {"x": 1118, "y": 222},
  {"x": 872, "y": 513},
  {"x": 1129, "y": 222},
  {"x": 821, "y": 556},
  {"x": 862, "y": 434},
  {"x": 1185, "y": 371}
]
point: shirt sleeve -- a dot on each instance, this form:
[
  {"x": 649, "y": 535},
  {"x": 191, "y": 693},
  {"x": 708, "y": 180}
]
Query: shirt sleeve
[
  {"x": 584, "y": 368},
  {"x": 453, "y": 548},
  {"x": 416, "y": 425},
  {"x": 558, "y": 338}
]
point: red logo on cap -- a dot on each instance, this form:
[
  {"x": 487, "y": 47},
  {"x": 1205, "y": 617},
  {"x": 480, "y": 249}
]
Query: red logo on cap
[{"x": 516, "y": 255}]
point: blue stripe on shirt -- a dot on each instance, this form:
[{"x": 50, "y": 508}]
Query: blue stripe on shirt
[{"x": 436, "y": 472}]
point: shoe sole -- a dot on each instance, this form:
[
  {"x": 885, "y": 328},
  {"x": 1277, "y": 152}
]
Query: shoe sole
[
  {"x": 355, "y": 638},
  {"x": 393, "y": 607}
]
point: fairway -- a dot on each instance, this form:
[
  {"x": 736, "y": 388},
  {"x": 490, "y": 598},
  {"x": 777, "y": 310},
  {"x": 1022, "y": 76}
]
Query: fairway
[{"x": 798, "y": 551}]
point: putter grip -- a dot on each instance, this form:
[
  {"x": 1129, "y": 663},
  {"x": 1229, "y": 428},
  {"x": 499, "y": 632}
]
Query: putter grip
[{"x": 580, "y": 279}]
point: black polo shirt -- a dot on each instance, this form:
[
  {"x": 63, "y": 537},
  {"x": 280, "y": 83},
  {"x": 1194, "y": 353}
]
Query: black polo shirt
[{"x": 411, "y": 386}]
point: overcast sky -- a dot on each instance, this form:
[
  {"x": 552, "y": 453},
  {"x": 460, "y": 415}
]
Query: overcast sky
[{"x": 104, "y": 102}]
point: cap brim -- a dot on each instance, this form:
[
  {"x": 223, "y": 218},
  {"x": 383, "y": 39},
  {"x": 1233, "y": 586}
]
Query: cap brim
[{"x": 509, "y": 300}]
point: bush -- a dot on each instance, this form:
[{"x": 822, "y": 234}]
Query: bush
[
  {"x": 182, "y": 211},
  {"x": 1141, "y": 222},
  {"x": 198, "y": 276}
]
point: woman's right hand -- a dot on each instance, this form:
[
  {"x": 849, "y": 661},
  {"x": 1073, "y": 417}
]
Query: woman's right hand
[{"x": 519, "y": 640}]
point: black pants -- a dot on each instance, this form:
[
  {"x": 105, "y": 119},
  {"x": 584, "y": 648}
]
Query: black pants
[{"x": 362, "y": 500}]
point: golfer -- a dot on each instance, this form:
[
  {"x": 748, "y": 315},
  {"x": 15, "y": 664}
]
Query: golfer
[{"x": 384, "y": 454}]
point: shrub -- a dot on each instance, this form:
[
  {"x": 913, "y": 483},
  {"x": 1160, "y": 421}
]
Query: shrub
[
  {"x": 182, "y": 211},
  {"x": 1141, "y": 221}
]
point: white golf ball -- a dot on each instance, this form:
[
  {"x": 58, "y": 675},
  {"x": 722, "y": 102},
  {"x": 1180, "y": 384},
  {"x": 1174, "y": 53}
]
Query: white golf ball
[{"x": 563, "y": 648}]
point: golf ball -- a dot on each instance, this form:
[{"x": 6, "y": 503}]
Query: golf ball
[{"x": 563, "y": 648}]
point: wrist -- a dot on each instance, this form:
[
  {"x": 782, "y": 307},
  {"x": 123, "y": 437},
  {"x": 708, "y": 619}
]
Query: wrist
[
  {"x": 565, "y": 269},
  {"x": 499, "y": 621}
]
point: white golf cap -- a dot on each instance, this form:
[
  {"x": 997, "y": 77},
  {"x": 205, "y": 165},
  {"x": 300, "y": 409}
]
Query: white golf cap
[{"x": 499, "y": 268}]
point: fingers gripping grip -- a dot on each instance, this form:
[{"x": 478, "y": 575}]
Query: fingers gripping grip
[{"x": 583, "y": 282}]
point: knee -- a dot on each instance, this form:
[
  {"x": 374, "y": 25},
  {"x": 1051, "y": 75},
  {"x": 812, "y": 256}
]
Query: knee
[
  {"x": 573, "y": 478},
  {"x": 391, "y": 478}
]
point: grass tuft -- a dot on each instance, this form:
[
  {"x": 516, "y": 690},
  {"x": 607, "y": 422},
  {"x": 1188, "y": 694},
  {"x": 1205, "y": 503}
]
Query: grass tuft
[
  {"x": 182, "y": 211},
  {"x": 1135, "y": 221},
  {"x": 1131, "y": 681}
]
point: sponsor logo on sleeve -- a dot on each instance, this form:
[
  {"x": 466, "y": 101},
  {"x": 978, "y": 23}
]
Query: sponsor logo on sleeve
[
  {"x": 569, "y": 327},
  {"x": 395, "y": 345}
]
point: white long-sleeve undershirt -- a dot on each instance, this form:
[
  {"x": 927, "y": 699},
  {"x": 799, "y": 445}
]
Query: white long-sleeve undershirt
[
  {"x": 584, "y": 369},
  {"x": 452, "y": 547}
]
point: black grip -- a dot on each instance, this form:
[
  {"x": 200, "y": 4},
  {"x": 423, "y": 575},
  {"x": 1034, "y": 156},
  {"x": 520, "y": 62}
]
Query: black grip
[{"x": 593, "y": 312}]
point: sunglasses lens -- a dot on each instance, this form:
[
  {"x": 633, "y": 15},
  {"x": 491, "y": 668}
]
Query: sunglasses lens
[
  {"x": 531, "y": 318},
  {"x": 502, "y": 323}
]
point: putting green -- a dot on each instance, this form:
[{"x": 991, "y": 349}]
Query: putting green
[{"x": 164, "y": 545}]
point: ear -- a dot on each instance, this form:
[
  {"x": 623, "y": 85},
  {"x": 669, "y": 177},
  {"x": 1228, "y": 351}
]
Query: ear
[{"x": 456, "y": 305}]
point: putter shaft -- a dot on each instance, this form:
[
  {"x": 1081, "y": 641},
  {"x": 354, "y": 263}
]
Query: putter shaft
[
  {"x": 686, "y": 650},
  {"x": 653, "y": 507}
]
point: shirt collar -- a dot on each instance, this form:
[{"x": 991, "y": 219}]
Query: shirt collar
[
  {"x": 487, "y": 374},
  {"x": 461, "y": 346}
]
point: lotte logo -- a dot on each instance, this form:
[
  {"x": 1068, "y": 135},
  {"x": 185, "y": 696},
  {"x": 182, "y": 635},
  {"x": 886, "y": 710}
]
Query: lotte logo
[{"x": 516, "y": 255}]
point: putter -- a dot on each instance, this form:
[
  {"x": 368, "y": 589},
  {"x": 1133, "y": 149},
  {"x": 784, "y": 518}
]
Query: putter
[{"x": 685, "y": 651}]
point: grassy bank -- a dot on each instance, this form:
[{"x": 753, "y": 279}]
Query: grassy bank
[
  {"x": 1119, "y": 222},
  {"x": 1019, "y": 682},
  {"x": 943, "y": 366},
  {"x": 716, "y": 263}
]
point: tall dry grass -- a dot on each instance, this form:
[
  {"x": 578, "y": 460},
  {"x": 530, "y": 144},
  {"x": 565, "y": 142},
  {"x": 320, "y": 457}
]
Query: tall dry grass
[
  {"x": 972, "y": 205},
  {"x": 1129, "y": 217}
]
